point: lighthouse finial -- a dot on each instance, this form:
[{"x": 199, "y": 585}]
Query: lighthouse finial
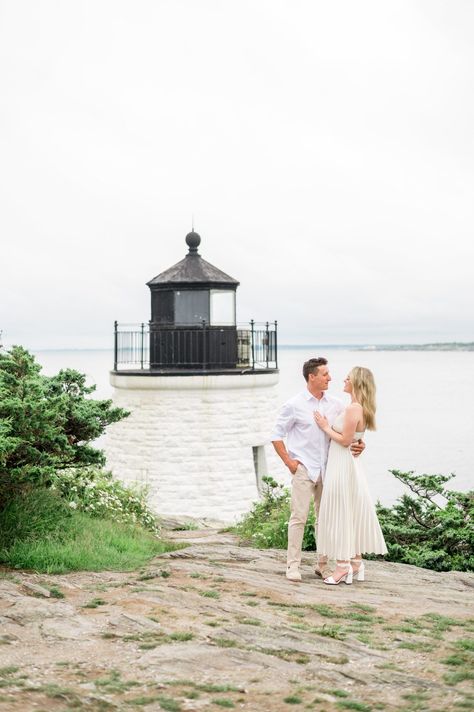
[{"x": 193, "y": 240}]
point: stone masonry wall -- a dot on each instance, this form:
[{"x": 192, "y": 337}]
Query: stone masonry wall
[{"x": 190, "y": 439}]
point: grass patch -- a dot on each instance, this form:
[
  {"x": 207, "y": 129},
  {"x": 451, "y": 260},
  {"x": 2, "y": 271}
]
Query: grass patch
[
  {"x": 330, "y": 631},
  {"x": 210, "y": 594},
  {"x": 224, "y": 702},
  {"x": 186, "y": 527},
  {"x": 56, "y": 692},
  {"x": 181, "y": 636},
  {"x": 95, "y": 603},
  {"x": 292, "y": 700},
  {"x": 454, "y": 660},
  {"x": 416, "y": 645},
  {"x": 191, "y": 695},
  {"x": 150, "y": 639},
  {"x": 113, "y": 683},
  {"x": 353, "y": 705},
  {"x": 9, "y": 670},
  {"x": 459, "y": 676},
  {"x": 465, "y": 644},
  {"x": 326, "y": 611},
  {"x": 388, "y": 666},
  {"x": 292, "y": 656},
  {"x": 441, "y": 623},
  {"x": 463, "y": 660},
  {"x": 204, "y": 687},
  {"x": 38, "y": 531},
  {"x": 225, "y": 642},
  {"x": 363, "y": 607},
  {"x": 168, "y": 704}
]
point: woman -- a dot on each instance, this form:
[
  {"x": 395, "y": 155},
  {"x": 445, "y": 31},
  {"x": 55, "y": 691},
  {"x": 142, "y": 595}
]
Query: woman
[{"x": 348, "y": 525}]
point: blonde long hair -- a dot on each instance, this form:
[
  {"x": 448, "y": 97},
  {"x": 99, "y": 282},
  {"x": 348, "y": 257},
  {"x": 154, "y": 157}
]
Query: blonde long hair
[{"x": 363, "y": 386}]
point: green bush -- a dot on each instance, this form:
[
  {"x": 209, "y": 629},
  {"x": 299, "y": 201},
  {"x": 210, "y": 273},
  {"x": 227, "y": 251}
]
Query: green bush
[
  {"x": 266, "y": 525},
  {"x": 46, "y": 423},
  {"x": 59, "y": 511},
  {"x": 96, "y": 492},
  {"x": 426, "y": 532},
  {"x": 418, "y": 529}
]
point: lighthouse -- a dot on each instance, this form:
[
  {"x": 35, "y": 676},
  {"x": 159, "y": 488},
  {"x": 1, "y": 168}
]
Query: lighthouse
[{"x": 201, "y": 389}]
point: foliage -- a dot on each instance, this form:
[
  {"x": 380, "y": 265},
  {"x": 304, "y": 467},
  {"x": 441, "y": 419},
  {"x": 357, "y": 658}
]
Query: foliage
[
  {"x": 422, "y": 531},
  {"x": 418, "y": 529},
  {"x": 38, "y": 530},
  {"x": 35, "y": 513},
  {"x": 266, "y": 525},
  {"x": 94, "y": 491},
  {"x": 46, "y": 423}
]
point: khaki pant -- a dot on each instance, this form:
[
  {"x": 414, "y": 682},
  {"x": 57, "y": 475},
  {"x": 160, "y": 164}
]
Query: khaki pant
[{"x": 303, "y": 489}]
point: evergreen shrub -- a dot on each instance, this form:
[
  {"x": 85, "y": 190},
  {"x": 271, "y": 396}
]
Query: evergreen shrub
[
  {"x": 266, "y": 525},
  {"x": 46, "y": 423},
  {"x": 432, "y": 527}
]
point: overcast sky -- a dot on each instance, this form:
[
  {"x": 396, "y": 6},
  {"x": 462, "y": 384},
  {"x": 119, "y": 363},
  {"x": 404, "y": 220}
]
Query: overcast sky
[{"x": 325, "y": 150}]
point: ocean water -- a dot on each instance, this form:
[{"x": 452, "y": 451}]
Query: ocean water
[{"x": 425, "y": 420}]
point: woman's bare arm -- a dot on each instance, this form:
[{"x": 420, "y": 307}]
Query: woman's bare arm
[{"x": 352, "y": 416}]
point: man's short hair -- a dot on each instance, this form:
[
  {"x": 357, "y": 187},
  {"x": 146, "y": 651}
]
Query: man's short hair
[{"x": 312, "y": 366}]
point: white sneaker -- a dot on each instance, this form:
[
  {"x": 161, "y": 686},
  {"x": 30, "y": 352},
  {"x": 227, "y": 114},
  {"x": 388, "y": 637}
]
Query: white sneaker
[{"x": 293, "y": 574}]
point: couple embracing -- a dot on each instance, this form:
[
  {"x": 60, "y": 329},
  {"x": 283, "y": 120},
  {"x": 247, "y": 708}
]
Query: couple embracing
[{"x": 323, "y": 442}]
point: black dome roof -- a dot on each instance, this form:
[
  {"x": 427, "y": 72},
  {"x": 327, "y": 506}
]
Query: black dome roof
[{"x": 193, "y": 270}]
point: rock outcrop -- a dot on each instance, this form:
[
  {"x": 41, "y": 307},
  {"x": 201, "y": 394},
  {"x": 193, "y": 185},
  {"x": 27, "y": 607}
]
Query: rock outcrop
[{"x": 216, "y": 624}]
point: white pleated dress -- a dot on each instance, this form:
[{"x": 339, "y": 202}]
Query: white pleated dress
[{"x": 348, "y": 523}]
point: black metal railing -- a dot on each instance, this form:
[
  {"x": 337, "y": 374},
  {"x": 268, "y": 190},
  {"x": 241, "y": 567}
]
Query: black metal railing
[{"x": 245, "y": 347}]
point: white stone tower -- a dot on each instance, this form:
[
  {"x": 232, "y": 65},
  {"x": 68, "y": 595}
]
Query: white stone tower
[{"x": 202, "y": 395}]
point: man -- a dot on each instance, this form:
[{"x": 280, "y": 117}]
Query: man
[{"x": 306, "y": 455}]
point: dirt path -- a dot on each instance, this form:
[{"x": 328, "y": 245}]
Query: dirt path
[{"x": 216, "y": 625}]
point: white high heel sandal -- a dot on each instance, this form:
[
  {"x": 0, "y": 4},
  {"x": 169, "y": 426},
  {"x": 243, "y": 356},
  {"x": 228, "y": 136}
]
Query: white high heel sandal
[
  {"x": 360, "y": 573},
  {"x": 347, "y": 577}
]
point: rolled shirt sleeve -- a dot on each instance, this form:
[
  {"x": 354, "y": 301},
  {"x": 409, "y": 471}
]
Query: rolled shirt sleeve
[{"x": 284, "y": 423}]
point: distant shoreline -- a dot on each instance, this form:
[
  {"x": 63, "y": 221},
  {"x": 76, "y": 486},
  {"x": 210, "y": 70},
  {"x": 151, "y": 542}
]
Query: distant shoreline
[
  {"x": 438, "y": 346},
  {"x": 441, "y": 346}
]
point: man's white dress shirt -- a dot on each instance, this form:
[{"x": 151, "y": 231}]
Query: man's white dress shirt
[{"x": 305, "y": 441}]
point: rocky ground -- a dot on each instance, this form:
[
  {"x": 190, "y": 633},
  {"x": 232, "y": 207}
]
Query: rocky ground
[{"x": 216, "y": 625}]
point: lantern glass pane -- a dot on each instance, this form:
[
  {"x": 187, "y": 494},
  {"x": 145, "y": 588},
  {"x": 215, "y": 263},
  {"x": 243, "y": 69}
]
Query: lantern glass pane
[
  {"x": 222, "y": 307},
  {"x": 191, "y": 307}
]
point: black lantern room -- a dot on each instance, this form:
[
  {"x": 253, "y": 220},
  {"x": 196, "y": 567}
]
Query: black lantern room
[{"x": 193, "y": 314}]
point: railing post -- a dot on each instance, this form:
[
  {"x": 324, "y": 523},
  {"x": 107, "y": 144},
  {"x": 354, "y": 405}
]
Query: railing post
[
  {"x": 276, "y": 347},
  {"x": 267, "y": 342},
  {"x": 115, "y": 344},
  {"x": 204, "y": 344},
  {"x": 142, "y": 344},
  {"x": 252, "y": 332}
]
